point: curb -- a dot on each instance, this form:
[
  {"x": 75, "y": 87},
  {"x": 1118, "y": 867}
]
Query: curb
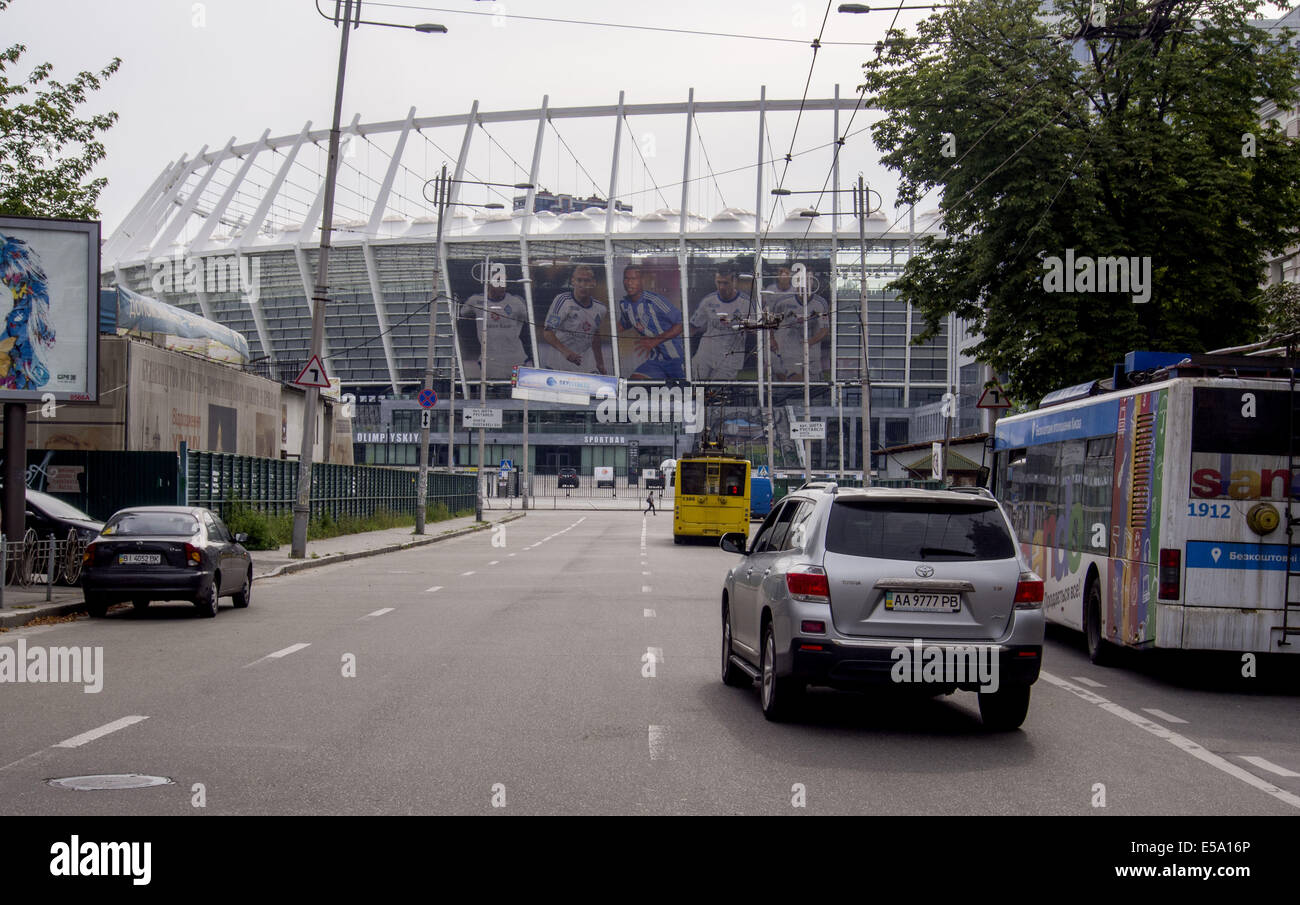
[
  {"x": 11, "y": 618},
  {"x": 292, "y": 567}
]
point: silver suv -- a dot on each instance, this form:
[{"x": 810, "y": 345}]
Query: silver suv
[{"x": 849, "y": 588}]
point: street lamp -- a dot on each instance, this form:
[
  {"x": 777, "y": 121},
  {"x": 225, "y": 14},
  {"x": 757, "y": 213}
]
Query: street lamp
[
  {"x": 350, "y": 19},
  {"x": 442, "y": 184}
]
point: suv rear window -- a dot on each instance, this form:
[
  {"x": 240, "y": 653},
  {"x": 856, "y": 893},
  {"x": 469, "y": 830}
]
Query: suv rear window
[{"x": 930, "y": 531}]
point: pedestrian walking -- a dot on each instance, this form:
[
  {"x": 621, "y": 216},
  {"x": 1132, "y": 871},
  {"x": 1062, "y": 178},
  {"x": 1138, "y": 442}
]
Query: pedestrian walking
[{"x": 650, "y": 504}]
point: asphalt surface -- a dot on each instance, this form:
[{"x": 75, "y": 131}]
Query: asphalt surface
[{"x": 520, "y": 682}]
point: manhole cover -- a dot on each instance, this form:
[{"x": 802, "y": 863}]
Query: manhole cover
[{"x": 108, "y": 781}]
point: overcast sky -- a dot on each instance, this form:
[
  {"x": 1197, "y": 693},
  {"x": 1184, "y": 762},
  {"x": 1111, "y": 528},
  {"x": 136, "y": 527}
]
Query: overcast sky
[{"x": 196, "y": 73}]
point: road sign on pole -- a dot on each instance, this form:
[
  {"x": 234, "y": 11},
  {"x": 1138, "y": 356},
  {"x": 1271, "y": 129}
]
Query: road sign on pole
[
  {"x": 993, "y": 397},
  {"x": 427, "y": 398},
  {"x": 313, "y": 375},
  {"x": 425, "y": 420}
]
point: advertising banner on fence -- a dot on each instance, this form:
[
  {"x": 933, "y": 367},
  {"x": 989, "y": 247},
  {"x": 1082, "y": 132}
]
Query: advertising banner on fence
[{"x": 48, "y": 343}]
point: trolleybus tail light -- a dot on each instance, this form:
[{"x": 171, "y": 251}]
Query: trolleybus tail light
[
  {"x": 1029, "y": 591},
  {"x": 808, "y": 583},
  {"x": 1171, "y": 562}
]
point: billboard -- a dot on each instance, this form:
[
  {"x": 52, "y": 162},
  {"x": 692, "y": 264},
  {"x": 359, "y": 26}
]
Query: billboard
[
  {"x": 490, "y": 313},
  {"x": 48, "y": 345},
  {"x": 648, "y": 316},
  {"x": 795, "y": 294},
  {"x": 719, "y": 304},
  {"x": 571, "y": 310}
]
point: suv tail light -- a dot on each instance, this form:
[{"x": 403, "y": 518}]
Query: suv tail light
[
  {"x": 1171, "y": 562},
  {"x": 1029, "y": 591},
  {"x": 808, "y": 583}
]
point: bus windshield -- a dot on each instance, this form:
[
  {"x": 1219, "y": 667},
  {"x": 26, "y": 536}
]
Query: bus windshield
[{"x": 712, "y": 478}]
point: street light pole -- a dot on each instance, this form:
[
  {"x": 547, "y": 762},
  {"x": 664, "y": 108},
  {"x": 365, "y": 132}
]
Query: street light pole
[
  {"x": 422, "y": 491},
  {"x": 302, "y": 507},
  {"x": 807, "y": 399},
  {"x": 862, "y": 207}
]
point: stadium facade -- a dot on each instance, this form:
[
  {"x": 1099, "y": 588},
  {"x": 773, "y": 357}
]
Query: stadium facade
[{"x": 233, "y": 234}]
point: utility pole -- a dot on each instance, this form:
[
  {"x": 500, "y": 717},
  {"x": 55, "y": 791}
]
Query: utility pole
[
  {"x": 807, "y": 398},
  {"x": 862, "y": 207},
  {"x": 422, "y": 491},
  {"x": 482, "y": 398},
  {"x": 302, "y": 507}
]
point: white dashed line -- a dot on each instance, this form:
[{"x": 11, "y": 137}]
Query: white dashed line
[
  {"x": 512, "y": 554},
  {"x": 387, "y": 609},
  {"x": 649, "y": 614},
  {"x": 1181, "y": 742},
  {"x": 494, "y": 562},
  {"x": 466, "y": 574},
  {"x": 1161, "y": 715},
  {"x": 1268, "y": 765},
  {"x": 284, "y": 652},
  {"x": 657, "y": 736},
  {"x": 645, "y": 573},
  {"x": 78, "y": 740},
  {"x": 436, "y": 587},
  {"x": 1084, "y": 680},
  {"x": 645, "y": 589}
]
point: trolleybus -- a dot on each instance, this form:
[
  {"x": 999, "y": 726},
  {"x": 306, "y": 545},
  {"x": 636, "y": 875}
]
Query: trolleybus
[
  {"x": 711, "y": 496},
  {"x": 1159, "y": 515}
]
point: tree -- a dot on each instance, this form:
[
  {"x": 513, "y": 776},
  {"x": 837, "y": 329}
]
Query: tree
[
  {"x": 46, "y": 150},
  {"x": 1139, "y": 138}
]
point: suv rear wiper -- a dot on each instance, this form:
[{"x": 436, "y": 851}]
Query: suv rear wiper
[{"x": 944, "y": 550}]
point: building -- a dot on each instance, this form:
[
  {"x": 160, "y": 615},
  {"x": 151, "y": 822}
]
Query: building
[{"x": 241, "y": 224}]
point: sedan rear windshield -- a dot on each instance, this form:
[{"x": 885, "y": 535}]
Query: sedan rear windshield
[
  {"x": 933, "y": 532},
  {"x": 166, "y": 524}
]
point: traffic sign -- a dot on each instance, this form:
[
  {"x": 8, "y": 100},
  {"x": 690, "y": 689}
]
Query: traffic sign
[
  {"x": 993, "y": 397},
  {"x": 762, "y": 471},
  {"x": 507, "y": 464},
  {"x": 425, "y": 419},
  {"x": 807, "y": 430},
  {"x": 472, "y": 418},
  {"x": 427, "y": 398},
  {"x": 313, "y": 375}
]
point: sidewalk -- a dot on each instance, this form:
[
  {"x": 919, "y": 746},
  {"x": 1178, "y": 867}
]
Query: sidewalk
[{"x": 24, "y": 605}]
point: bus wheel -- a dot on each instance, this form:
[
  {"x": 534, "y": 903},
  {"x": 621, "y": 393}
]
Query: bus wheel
[{"x": 1099, "y": 650}]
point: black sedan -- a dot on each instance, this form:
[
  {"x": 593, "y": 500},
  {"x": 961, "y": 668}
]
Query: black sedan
[
  {"x": 166, "y": 553},
  {"x": 48, "y": 515}
]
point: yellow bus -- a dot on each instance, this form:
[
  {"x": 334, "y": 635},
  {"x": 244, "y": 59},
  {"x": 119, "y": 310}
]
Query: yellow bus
[{"x": 711, "y": 496}]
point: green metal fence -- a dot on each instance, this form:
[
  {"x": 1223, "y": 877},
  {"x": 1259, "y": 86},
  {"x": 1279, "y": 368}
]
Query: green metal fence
[{"x": 213, "y": 479}]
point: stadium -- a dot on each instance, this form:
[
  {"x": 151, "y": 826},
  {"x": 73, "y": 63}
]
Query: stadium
[{"x": 608, "y": 239}]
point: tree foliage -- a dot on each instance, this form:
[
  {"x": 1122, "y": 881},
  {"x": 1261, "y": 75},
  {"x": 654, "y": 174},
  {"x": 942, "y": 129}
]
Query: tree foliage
[
  {"x": 46, "y": 150},
  {"x": 1140, "y": 138}
]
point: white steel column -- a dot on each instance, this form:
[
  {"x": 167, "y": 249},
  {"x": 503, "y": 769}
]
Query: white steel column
[
  {"x": 309, "y": 223},
  {"x": 309, "y": 288},
  {"x": 272, "y": 192},
  {"x": 453, "y": 193},
  {"x": 123, "y": 229},
  {"x": 381, "y": 312},
  {"x": 612, "y": 288},
  {"x": 386, "y": 187},
  {"x": 173, "y": 229},
  {"x": 219, "y": 209},
  {"x": 526, "y": 226},
  {"x": 681, "y": 233}
]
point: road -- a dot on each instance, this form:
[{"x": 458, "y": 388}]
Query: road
[{"x": 513, "y": 679}]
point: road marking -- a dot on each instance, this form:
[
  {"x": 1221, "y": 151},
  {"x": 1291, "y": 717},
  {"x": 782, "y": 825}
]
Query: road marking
[
  {"x": 645, "y": 589},
  {"x": 657, "y": 736},
  {"x": 649, "y": 614},
  {"x": 512, "y": 554},
  {"x": 645, "y": 573},
  {"x": 1268, "y": 765},
  {"x": 465, "y": 574},
  {"x": 1084, "y": 680},
  {"x": 1181, "y": 742},
  {"x": 291, "y": 649},
  {"x": 436, "y": 587},
  {"x": 494, "y": 562},
  {"x": 387, "y": 609},
  {"x": 78, "y": 740},
  {"x": 1161, "y": 715}
]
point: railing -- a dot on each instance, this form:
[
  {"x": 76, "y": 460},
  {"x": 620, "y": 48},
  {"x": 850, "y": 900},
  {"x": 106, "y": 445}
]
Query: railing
[
  {"x": 270, "y": 485},
  {"x": 46, "y": 561}
]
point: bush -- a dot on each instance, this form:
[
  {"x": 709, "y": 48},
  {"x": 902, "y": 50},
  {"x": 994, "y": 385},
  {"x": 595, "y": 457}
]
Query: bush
[{"x": 265, "y": 532}]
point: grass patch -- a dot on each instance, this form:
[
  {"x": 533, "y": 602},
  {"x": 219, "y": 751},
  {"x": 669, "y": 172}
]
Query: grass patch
[{"x": 269, "y": 531}]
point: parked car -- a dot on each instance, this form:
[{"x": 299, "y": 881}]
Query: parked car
[
  {"x": 166, "y": 553},
  {"x": 568, "y": 478},
  {"x": 840, "y": 586},
  {"x": 48, "y": 515}
]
